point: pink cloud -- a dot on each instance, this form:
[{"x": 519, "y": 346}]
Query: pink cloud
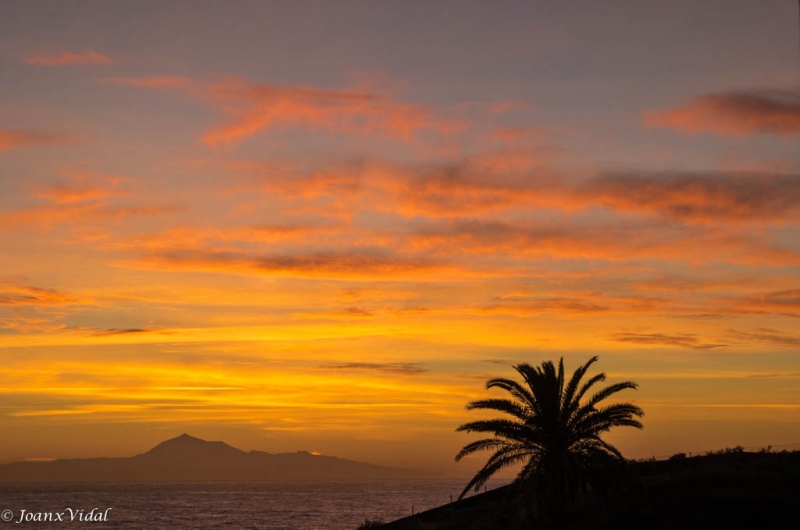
[
  {"x": 15, "y": 139},
  {"x": 256, "y": 107},
  {"x": 252, "y": 108},
  {"x": 734, "y": 113},
  {"x": 165, "y": 82},
  {"x": 66, "y": 58},
  {"x": 81, "y": 197}
]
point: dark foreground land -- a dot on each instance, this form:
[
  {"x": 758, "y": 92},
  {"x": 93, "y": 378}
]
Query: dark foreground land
[{"x": 729, "y": 490}]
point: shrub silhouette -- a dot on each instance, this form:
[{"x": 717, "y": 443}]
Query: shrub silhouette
[{"x": 370, "y": 523}]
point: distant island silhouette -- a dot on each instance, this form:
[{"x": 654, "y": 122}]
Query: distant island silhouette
[{"x": 188, "y": 459}]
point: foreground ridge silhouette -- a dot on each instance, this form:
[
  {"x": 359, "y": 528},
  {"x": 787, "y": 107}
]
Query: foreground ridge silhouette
[{"x": 730, "y": 488}]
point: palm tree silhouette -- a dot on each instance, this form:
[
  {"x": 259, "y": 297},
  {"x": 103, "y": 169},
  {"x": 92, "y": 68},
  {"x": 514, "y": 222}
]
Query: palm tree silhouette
[{"x": 553, "y": 432}]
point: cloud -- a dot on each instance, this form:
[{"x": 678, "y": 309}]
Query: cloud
[
  {"x": 683, "y": 340},
  {"x": 392, "y": 368},
  {"x": 17, "y": 295},
  {"x": 767, "y": 335},
  {"x": 734, "y": 113},
  {"x": 357, "y": 263},
  {"x": 482, "y": 247},
  {"x": 208, "y": 238},
  {"x": 574, "y": 302},
  {"x": 502, "y": 362},
  {"x": 255, "y": 107},
  {"x": 509, "y": 181},
  {"x": 164, "y": 82},
  {"x": 680, "y": 283},
  {"x": 785, "y": 302},
  {"x": 15, "y": 139},
  {"x": 27, "y": 309},
  {"x": 128, "y": 331},
  {"x": 66, "y": 58},
  {"x": 613, "y": 240},
  {"x": 252, "y": 108},
  {"x": 488, "y": 215},
  {"x": 776, "y": 375},
  {"x": 82, "y": 188},
  {"x": 60, "y": 215},
  {"x": 535, "y": 306},
  {"x": 710, "y": 196},
  {"x": 524, "y": 180},
  {"x": 490, "y": 182},
  {"x": 81, "y": 197},
  {"x": 501, "y": 107},
  {"x": 347, "y": 312},
  {"x": 512, "y": 135}
]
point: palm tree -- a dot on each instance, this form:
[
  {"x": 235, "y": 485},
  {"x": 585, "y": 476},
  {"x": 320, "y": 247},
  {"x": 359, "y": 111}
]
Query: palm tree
[{"x": 553, "y": 431}]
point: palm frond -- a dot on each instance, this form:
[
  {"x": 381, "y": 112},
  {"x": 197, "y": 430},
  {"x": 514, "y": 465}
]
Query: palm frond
[
  {"x": 543, "y": 384},
  {"x": 599, "y": 378},
  {"x": 498, "y": 461},
  {"x": 502, "y": 405},
  {"x": 610, "y": 390},
  {"x": 499, "y": 427},
  {"x": 513, "y": 388},
  {"x": 480, "y": 445},
  {"x": 589, "y": 417},
  {"x": 572, "y": 386}
]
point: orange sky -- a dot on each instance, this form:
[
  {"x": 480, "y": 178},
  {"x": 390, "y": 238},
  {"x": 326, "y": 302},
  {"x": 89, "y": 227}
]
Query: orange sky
[{"x": 297, "y": 227}]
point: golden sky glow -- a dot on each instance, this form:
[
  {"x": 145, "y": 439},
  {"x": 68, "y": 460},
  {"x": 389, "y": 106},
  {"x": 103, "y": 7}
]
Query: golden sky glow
[{"x": 306, "y": 227}]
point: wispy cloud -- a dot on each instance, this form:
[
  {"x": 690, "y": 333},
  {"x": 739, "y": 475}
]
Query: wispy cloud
[
  {"x": 67, "y": 58},
  {"x": 252, "y": 108},
  {"x": 767, "y": 335},
  {"x": 81, "y": 197},
  {"x": 15, "y": 139},
  {"x": 392, "y": 368},
  {"x": 165, "y": 82},
  {"x": 81, "y": 187},
  {"x": 512, "y": 135},
  {"x": 785, "y": 302},
  {"x": 525, "y": 180},
  {"x": 683, "y": 340},
  {"x": 734, "y": 113},
  {"x": 501, "y": 362},
  {"x": 127, "y": 331},
  {"x": 255, "y": 107},
  {"x": 710, "y": 196},
  {"x": 16, "y": 295},
  {"x": 210, "y": 238},
  {"x": 339, "y": 264},
  {"x": 536, "y": 306},
  {"x": 614, "y": 241}
]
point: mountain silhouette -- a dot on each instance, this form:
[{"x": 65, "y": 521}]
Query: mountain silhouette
[
  {"x": 190, "y": 459},
  {"x": 186, "y": 447}
]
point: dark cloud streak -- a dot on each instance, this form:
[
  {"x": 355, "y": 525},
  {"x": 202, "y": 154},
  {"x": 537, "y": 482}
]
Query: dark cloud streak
[{"x": 392, "y": 368}]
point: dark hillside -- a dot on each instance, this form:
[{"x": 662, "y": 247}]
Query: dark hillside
[{"x": 730, "y": 490}]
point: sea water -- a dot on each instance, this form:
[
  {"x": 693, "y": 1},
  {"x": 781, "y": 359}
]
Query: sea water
[{"x": 248, "y": 505}]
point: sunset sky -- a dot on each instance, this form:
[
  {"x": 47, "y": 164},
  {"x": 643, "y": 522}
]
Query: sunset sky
[{"x": 323, "y": 225}]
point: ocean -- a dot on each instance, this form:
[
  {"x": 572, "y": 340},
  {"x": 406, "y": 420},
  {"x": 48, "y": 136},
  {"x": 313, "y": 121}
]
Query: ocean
[{"x": 250, "y": 505}]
